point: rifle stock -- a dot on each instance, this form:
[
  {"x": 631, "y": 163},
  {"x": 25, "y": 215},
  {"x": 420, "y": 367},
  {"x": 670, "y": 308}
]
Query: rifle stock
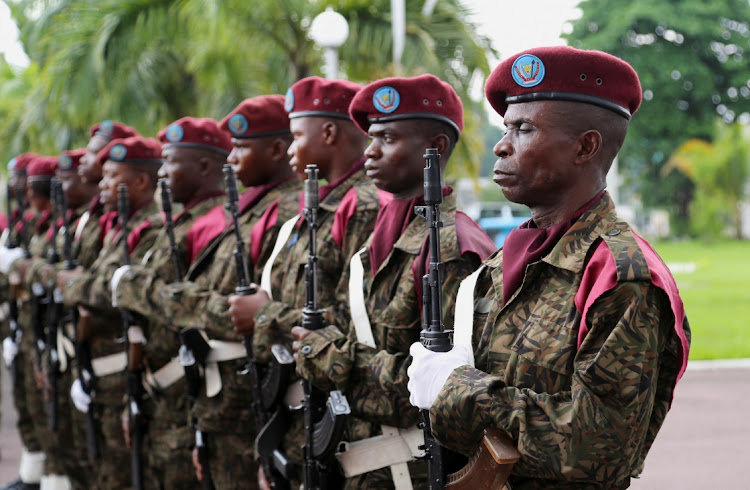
[
  {"x": 81, "y": 318},
  {"x": 134, "y": 352},
  {"x": 324, "y": 423}
]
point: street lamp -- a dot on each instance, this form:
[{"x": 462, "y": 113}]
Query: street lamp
[{"x": 329, "y": 30}]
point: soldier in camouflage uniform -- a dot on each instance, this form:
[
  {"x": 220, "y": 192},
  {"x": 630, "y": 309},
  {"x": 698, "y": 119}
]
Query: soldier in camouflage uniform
[
  {"x": 135, "y": 162},
  {"x": 324, "y": 135},
  {"x": 260, "y": 134},
  {"x": 194, "y": 151},
  {"x": 369, "y": 364},
  {"x": 579, "y": 334}
]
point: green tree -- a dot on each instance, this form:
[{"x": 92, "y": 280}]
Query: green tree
[
  {"x": 691, "y": 58},
  {"x": 148, "y": 62},
  {"x": 720, "y": 172}
]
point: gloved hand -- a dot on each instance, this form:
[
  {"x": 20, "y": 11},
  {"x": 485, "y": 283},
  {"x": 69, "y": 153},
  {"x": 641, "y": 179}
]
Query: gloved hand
[
  {"x": 80, "y": 398},
  {"x": 429, "y": 371},
  {"x": 7, "y": 257},
  {"x": 10, "y": 350},
  {"x": 116, "y": 277}
]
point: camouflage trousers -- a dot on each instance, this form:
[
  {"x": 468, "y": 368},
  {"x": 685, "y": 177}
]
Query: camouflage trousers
[
  {"x": 232, "y": 461},
  {"x": 113, "y": 470},
  {"x": 23, "y": 397}
]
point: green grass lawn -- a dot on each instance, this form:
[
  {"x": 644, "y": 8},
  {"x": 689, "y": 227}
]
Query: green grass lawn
[{"x": 716, "y": 295}]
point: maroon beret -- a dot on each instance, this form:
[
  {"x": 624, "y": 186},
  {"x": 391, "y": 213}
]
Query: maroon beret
[
  {"x": 133, "y": 150},
  {"x": 112, "y": 130},
  {"x": 257, "y": 117},
  {"x": 42, "y": 167},
  {"x": 392, "y": 99},
  {"x": 315, "y": 96},
  {"x": 70, "y": 159},
  {"x": 202, "y": 133},
  {"x": 20, "y": 162},
  {"x": 565, "y": 73}
]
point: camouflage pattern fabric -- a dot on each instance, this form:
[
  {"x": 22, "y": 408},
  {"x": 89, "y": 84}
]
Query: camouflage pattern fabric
[
  {"x": 581, "y": 417},
  {"x": 275, "y": 320},
  {"x": 374, "y": 379},
  {"x": 92, "y": 289}
]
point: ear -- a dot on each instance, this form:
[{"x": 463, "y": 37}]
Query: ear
[
  {"x": 589, "y": 146},
  {"x": 204, "y": 165},
  {"x": 141, "y": 182},
  {"x": 330, "y": 132},
  {"x": 277, "y": 150},
  {"x": 442, "y": 143}
]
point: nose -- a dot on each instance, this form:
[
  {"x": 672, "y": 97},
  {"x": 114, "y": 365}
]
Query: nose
[
  {"x": 373, "y": 150},
  {"x": 292, "y": 149},
  {"x": 232, "y": 158},
  {"x": 162, "y": 173},
  {"x": 503, "y": 148}
]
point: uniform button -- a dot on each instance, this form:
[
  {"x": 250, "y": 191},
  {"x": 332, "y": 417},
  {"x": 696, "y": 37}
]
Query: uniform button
[
  {"x": 262, "y": 318},
  {"x": 614, "y": 232},
  {"x": 306, "y": 349}
]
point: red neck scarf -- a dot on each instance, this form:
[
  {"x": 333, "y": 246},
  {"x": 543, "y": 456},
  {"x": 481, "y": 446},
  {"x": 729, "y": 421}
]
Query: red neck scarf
[
  {"x": 252, "y": 195},
  {"x": 324, "y": 190},
  {"x": 527, "y": 244}
]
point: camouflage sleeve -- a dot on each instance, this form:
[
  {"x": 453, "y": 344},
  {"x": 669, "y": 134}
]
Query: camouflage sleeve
[
  {"x": 593, "y": 431},
  {"x": 374, "y": 380}
]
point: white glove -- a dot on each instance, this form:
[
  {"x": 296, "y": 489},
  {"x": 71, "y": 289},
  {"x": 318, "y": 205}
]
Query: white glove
[
  {"x": 80, "y": 398},
  {"x": 10, "y": 350},
  {"x": 116, "y": 277},
  {"x": 7, "y": 257},
  {"x": 430, "y": 370}
]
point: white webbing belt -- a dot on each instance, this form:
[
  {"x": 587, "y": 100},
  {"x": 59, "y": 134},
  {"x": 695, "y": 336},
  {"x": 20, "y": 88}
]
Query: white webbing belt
[
  {"x": 111, "y": 364},
  {"x": 220, "y": 351},
  {"x": 395, "y": 448},
  {"x": 463, "y": 323},
  {"x": 65, "y": 350},
  {"x": 284, "y": 233},
  {"x": 81, "y": 225},
  {"x": 361, "y": 321}
]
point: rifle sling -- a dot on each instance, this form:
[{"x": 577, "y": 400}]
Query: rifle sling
[
  {"x": 463, "y": 324},
  {"x": 357, "y": 306},
  {"x": 284, "y": 233}
]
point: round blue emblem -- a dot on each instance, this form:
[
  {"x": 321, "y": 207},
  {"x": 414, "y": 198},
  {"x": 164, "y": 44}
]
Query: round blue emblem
[
  {"x": 12, "y": 164},
  {"x": 64, "y": 162},
  {"x": 106, "y": 127},
  {"x": 238, "y": 124},
  {"x": 289, "y": 101},
  {"x": 527, "y": 70},
  {"x": 117, "y": 153},
  {"x": 174, "y": 133},
  {"x": 386, "y": 99}
]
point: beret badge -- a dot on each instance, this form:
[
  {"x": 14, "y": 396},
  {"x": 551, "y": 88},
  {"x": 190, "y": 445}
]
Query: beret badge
[
  {"x": 386, "y": 99},
  {"x": 106, "y": 127},
  {"x": 238, "y": 124},
  {"x": 528, "y": 70},
  {"x": 12, "y": 164},
  {"x": 65, "y": 162},
  {"x": 174, "y": 133},
  {"x": 117, "y": 153},
  {"x": 289, "y": 100}
]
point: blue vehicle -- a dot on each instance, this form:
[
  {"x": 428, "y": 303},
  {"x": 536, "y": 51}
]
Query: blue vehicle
[{"x": 498, "y": 227}]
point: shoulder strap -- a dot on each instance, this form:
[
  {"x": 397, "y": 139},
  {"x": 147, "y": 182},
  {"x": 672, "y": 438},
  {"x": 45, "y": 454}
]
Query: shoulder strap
[
  {"x": 361, "y": 321},
  {"x": 463, "y": 324},
  {"x": 284, "y": 233}
]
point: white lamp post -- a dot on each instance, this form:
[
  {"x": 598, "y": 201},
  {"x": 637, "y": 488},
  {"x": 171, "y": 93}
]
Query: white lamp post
[{"x": 329, "y": 30}]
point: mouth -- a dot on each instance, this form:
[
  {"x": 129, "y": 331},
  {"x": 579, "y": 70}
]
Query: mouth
[{"x": 501, "y": 178}]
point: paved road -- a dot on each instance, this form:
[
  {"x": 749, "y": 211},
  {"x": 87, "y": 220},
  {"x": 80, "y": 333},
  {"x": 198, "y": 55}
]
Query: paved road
[{"x": 704, "y": 444}]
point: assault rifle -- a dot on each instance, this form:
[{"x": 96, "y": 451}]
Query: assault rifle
[
  {"x": 135, "y": 354},
  {"x": 270, "y": 424},
  {"x": 39, "y": 302},
  {"x": 12, "y": 242},
  {"x": 481, "y": 472},
  {"x": 54, "y": 312},
  {"x": 81, "y": 327},
  {"x": 324, "y": 422},
  {"x": 166, "y": 206}
]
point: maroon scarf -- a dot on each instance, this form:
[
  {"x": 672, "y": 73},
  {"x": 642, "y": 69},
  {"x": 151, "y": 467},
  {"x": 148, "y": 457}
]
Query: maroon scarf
[{"x": 527, "y": 244}]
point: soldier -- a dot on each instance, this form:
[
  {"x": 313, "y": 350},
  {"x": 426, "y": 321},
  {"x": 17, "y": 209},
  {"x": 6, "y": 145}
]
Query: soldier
[
  {"x": 579, "y": 334},
  {"x": 102, "y": 134},
  {"x": 194, "y": 151},
  {"x": 135, "y": 162},
  {"x": 33, "y": 174},
  {"x": 221, "y": 413},
  {"x": 325, "y": 135},
  {"x": 366, "y": 360}
]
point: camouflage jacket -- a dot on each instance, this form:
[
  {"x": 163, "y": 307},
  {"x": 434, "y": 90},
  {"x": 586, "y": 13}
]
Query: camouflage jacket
[
  {"x": 340, "y": 235},
  {"x": 92, "y": 288},
  {"x": 374, "y": 379},
  {"x": 582, "y": 416}
]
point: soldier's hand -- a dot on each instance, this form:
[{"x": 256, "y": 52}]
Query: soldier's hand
[
  {"x": 242, "y": 309},
  {"x": 262, "y": 481},
  {"x": 197, "y": 465},
  {"x": 22, "y": 266},
  {"x": 299, "y": 334},
  {"x": 66, "y": 278}
]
